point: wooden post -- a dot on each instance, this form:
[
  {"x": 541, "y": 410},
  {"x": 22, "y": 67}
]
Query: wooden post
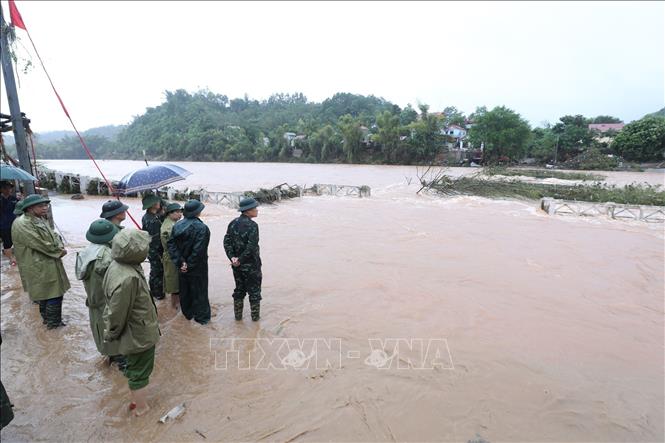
[{"x": 14, "y": 107}]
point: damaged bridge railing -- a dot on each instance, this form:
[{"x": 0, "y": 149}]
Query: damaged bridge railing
[{"x": 645, "y": 213}]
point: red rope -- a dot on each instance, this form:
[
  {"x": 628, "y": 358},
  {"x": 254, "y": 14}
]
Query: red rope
[
  {"x": 85, "y": 146},
  {"x": 34, "y": 158}
]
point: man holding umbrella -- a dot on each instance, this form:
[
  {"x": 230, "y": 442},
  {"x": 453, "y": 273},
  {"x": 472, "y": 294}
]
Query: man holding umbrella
[
  {"x": 188, "y": 248},
  {"x": 152, "y": 223}
]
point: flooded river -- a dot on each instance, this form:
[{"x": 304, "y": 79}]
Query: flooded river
[{"x": 394, "y": 318}]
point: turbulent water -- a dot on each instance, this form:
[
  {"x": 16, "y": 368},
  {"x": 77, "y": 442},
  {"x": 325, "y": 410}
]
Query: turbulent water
[{"x": 401, "y": 317}]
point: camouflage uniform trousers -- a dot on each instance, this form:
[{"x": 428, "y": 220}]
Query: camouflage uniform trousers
[
  {"x": 156, "y": 279},
  {"x": 248, "y": 281}
]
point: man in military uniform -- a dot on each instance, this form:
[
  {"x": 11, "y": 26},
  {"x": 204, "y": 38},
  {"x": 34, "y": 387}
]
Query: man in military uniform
[
  {"x": 40, "y": 251},
  {"x": 241, "y": 244},
  {"x": 188, "y": 248},
  {"x": 115, "y": 212},
  {"x": 171, "y": 273},
  {"x": 151, "y": 223}
]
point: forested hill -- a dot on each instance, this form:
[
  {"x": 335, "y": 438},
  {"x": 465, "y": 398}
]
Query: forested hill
[{"x": 205, "y": 126}]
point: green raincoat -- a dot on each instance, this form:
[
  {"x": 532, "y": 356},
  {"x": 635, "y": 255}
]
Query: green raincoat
[
  {"x": 130, "y": 316},
  {"x": 91, "y": 267},
  {"x": 171, "y": 274},
  {"x": 39, "y": 248},
  {"x": 19, "y": 252}
]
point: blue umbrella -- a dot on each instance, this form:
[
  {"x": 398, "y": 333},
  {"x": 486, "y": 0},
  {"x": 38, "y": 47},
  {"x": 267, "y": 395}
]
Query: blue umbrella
[
  {"x": 9, "y": 172},
  {"x": 151, "y": 177}
]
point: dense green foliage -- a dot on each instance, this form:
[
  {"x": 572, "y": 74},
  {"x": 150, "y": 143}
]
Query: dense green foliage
[
  {"x": 205, "y": 126},
  {"x": 642, "y": 140},
  {"x": 503, "y": 131}
]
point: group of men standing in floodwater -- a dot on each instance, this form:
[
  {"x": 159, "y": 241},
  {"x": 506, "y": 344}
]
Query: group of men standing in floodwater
[{"x": 120, "y": 300}]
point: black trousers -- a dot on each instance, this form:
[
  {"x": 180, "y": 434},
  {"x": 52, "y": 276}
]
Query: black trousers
[
  {"x": 194, "y": 296},
  {"x": 248, "y": 281}
]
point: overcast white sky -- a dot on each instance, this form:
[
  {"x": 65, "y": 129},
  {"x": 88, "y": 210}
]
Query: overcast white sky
[{"x": 111, "y": 60}]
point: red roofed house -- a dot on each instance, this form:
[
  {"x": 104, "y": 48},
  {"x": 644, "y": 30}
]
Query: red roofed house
[{"x": 604, "y": 127}]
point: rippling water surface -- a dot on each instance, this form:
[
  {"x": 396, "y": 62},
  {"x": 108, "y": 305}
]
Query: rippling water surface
[{"x": 546, "y": 328}]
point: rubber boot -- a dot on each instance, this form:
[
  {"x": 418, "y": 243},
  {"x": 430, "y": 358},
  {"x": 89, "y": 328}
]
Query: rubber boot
[
  {"x": 238, "y": 304},
  {"x": 256, "y": 310},
  {"x": 54, "y": 315},
  {"x": 42, "y": 310}
]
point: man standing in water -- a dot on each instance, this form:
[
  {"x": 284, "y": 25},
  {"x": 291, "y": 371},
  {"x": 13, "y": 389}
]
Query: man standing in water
[
  {"x": 152, "y": 222},
  {"x": 41, "y": 252},
  {"x": 241, "y": 244},
  {"x": 91, "y": 266},
  {"x": 19, "y": 250},
  {"x": 115, "y": 212},
  {"x": 171, "y": 273},
  {"x": 130, "y": 316},
  {"x": 188, "y": 248}
]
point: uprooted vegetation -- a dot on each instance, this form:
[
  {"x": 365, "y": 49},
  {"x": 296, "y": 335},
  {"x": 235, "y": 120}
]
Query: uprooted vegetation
[{"x": 489, "y": 186}]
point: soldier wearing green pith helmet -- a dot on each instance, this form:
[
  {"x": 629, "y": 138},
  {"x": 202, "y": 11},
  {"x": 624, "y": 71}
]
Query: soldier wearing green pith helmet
[
  {"x": 241, "y": 244},
  {"x": 171, "y": 273},
  {"x": 152, "y": 223}
]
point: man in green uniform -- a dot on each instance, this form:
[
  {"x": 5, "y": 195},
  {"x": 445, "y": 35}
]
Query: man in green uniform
[
  {"x": 40, "y": 251},
  {"x": 171, "y": 273},
  {"x": 130, "y": 315},
  {"x": 241, "y": 244},
  {"x": 188, "y": 248},
  {"x": 18, "y": 250},
  {"x": 115, "y": 212},
  {"x": 152, "y": 222},
  {"x": 91, "y": 266}
]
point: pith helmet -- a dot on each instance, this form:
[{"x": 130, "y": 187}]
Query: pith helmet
[
  {"x": 101, "y": 231},
  {"x": 150, "y": 200},
  {"x": 193, "y": 208},
  {"x": 173, "y": 207},
  {"x": 247, "y": 203},
  {"x": 34, "y": 199},
  {"x": 112, "y": 208}
]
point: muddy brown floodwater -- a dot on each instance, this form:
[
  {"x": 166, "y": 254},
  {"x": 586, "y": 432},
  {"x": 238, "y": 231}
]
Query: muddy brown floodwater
[{"x": 393, "y": 318}]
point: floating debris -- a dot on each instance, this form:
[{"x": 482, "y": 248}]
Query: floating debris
[{"x": 173, "y": 413}]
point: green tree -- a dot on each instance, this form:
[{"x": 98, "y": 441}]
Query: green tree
[
  {"x": 502, "y": 131},
  {"x": 350, "y": 128},
  {"x": 606, "y": 119},
  {"x": 388, "y": 133},
  {"x": 542, "y": 144},
  {"x": 642, "y": 140},
  {"x": 452, "y": 116},
  {"x": 326, "y": 143},
  {"x": 408, "y": 115},
  {"x": 574, "y": 135},
  {"x": 425, "y": 140}
]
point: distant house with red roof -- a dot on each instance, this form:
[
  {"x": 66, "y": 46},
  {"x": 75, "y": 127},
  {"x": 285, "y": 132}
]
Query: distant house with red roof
[{"x": 604, "y": 127}]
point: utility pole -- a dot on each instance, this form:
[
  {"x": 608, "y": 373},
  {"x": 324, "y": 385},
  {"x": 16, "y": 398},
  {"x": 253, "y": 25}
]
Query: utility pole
[
  {"x": 556, "y": 149},
  {"x": 14, "y": 108}
]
